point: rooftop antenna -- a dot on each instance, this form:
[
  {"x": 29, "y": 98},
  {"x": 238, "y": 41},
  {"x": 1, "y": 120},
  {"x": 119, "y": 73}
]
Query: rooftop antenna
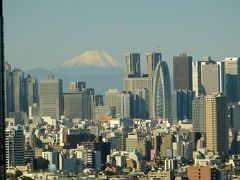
[{"x": 184, "y": 53}]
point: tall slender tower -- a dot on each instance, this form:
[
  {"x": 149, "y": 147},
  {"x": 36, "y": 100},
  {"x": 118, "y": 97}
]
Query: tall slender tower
[
  {"x": 18, "y": 90},
  {"x": 162, "y": 91},
  {"x": 2, "y": 108},
  {"x": 31, "y": 91},
  {"x": 216, "y": 123}
]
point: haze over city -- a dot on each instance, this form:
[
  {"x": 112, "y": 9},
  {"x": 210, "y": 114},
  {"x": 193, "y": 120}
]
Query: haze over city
[
  {"x": 48, "y": 33},
  {"x": 120, "y": 90}
]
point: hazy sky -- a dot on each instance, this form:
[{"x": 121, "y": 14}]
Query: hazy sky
[{"x": 46, "y": 33}]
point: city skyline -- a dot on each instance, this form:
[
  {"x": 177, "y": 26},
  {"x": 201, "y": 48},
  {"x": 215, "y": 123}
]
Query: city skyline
[{"x": 99, "y": 104}]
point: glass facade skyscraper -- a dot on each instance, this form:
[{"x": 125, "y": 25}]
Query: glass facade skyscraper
[
  {"x": 182, "y": 72},
  {"x": 162, "y": 91},
  {"x": 232, "y": 70}
]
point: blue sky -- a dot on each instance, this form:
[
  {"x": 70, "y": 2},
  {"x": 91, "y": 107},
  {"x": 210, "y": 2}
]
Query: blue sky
[{"x": 45, "y": 33}]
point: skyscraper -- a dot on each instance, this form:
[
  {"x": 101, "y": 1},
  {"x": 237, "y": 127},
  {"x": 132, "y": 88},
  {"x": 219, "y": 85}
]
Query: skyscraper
[
  {"x": 216, "y": 123},
  {"x": 212, "y": 78},
  {"x": 182, "y": 104},
  {"x": 131, "y": 84},
  {"x": 162, "y": 91},
  {"x": 140, "y": 103},
  {"x": 199, "y": 118},
  {"x": 199, "y": 114},
  {"x": 232, "y": 70},
  {"x": 197, "y": 77},
  {"x": 132, "y": 65},
  {"x": 8, "y": 88},
  {"x": 125, "y": 102},
  {"x": 2, "y": 108},
  {"x": 182, "y": 72},
  {"x": 31, "y": 91},
  {"x": 208, "y": 76},
  {"x": 15, "y": 142},
  {"x": 77, "y": 86},
  {"x": 18, "y": 90},
  {"x": 51, "y": 97},
  {"x": 111, "y": 97},
  {"x": 152, "y": 60},
  {"x": 77, "y": 105}
]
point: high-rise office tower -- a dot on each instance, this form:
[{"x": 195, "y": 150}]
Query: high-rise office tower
[
  {"x": 197, "y": 77},
  {"x": 99, "y": 100},
  {"x": 132, "y": 84},
  {"x": 199, "y": 118},
  {"x": 2, "y": 104},
  {"x": 216, "y": 123},
  {"x": 91, "y": 96},
  {"x": 199, "y": 114},
  {"x": 51, "y": 97},
  {"x": 152, "y": 60},
  {"x": 77, "y": 105},
  {"x": 8, "y": 88},
  {"x": 77, "y": 86},
  {"x": 140, "y": 103},
  {"x": 182, "y": 72},
  {"x": 31, "y": 91},
  {"x": 132, "y": 65},
  {"x": 14, "y": 143},
  {"x": 212, "y": 78},
  {"x": 111, "y": 96},
  {"x": 18, "y": 89},
  {"x": 182, "y": 104},
  {"x": 232, "y": 71},
  {"x": 234, "y": 116},
  {"x": 208, "y": 76},
  {"x": 162, "y": 91},
  {"x": 125, "y": 103}
]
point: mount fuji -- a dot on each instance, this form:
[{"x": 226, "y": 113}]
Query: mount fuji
[{"x": 98, "y": 68}]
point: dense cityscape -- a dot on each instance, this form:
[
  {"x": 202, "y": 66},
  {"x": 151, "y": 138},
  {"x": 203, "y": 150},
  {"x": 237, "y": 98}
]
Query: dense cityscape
[
  {"x": 149, "y": 130},
  {"x": 179, "y": 119}
]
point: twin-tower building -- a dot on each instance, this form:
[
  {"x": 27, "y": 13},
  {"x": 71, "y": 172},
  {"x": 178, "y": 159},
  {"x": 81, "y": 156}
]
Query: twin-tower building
[{"x": 156, "y": 81}]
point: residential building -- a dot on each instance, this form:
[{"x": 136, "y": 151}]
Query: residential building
[{"x": 216, "y": 123}]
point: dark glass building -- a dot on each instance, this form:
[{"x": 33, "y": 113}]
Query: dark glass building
[{"x": 182, "y": 72}]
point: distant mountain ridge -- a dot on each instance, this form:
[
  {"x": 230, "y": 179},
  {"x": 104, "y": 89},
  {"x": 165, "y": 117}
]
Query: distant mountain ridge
[{"x": 99, "y": 69}]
